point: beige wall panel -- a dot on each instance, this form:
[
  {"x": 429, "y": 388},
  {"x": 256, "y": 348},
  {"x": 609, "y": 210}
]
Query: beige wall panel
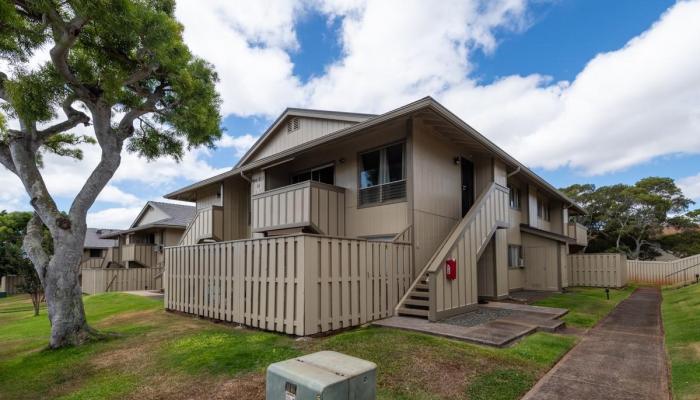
[
  {"x": 516, "y": 278},
  {"x": 486, "y": 272},
  {"x": 209, "y": 196},
  {"x": 151, "y": 215},
  {"x": 500, "y": 243},
  {"x": 309, "y": 129},
  {"x": 236, "y": 201},
  {"x": 542, "y": 263}
]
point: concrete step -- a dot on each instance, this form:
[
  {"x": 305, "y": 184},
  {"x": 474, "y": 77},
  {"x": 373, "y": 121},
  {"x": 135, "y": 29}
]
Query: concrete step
[
  {"x": 419, "y": 295},
  {"x": 413, "y": 312},
  {"x": 423, "y": 302},
  {"x": 541, "y": 323},
  {"x": 421, "y": 286}
]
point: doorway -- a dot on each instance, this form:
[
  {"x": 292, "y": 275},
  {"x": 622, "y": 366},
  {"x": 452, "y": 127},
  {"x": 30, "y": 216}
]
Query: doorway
[{"x": 467, "y": 184}]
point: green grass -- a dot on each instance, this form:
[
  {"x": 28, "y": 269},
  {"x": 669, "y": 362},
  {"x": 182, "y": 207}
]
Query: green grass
[
  {"x": 586, "y": 306},
  {"x": 159, "y": 354},
  {"x": 681, "y": 316},
  {"x": 226, "y": 352}
]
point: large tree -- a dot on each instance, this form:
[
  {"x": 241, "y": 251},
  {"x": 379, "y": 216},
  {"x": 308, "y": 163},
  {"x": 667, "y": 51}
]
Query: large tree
[
  {"x": 118, "y": 66},
  {"x": 624, "y": 217}
]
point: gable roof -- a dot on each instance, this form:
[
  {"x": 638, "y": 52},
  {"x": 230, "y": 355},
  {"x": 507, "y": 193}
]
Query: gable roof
[
  {"x": 426, "y": 103},
  {"x": 177, "y": 216},
  {"x": 301, "y": 112},
  {"x": 94, "y": 240}
]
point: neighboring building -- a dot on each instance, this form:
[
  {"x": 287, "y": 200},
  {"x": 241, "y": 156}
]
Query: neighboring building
[
  {"x": 98, "y": 252},
  {"x": 319, "y": 190},
  {"x": 157, "y": 225}
]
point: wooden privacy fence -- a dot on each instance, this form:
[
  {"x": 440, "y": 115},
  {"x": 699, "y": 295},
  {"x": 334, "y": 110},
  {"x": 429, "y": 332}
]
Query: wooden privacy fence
[
  {"x": 9, "y": 284},
  {"x": 100, "y": 280},
  {"x": 664, "y": 272},
  {"x": 300, "y": 284},
  {"x": 601, "y": 270}
]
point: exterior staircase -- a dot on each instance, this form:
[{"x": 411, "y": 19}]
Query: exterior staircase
[
  {"x": 417, "y": 302},
  {"x": 466, "y": 242}
]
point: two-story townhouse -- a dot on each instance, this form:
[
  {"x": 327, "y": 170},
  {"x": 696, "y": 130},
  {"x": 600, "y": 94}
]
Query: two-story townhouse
[{"x": 333, "y": 219}]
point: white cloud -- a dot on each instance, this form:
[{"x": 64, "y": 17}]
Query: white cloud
[
  {"x": 114, "y": 195},
  {"x": 691, "y": 186},
  {"x": 239, "y": 144},
  {"x": 115, "y": 218}
]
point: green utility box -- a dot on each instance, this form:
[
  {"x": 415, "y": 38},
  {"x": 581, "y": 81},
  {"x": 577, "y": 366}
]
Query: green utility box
[{"x": 326, "y": 375}]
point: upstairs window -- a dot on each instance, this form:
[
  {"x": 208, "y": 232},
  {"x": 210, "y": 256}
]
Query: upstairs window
[
  {"x": 323, "y": 174},
  {"x": 514, "y": 197},
  {"x": 382, "y": 175},
  {"x": 95, "y": 253},
  {"x": 292, "y": 125},
  {"x": 542, "y": 209}
]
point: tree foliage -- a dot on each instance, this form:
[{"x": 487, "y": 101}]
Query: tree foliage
[
  {"x": 13, "y": 261},
  {"x": 624, "y": 217},
  {"x": 120, "y": 67}
]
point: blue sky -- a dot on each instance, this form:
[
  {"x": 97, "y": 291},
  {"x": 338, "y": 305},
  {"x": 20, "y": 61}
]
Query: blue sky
[{"x": 582, "y": 91}]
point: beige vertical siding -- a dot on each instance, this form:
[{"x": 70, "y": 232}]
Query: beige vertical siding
[
  {"x": 140, "y": 253},
  {"x": 486, "y": 272},
  {"x": 236, "y": 201},
  {"x": 309, "y": 129},
  {"x": 465, "y": 244},
  {"x": 206, "y": 225},
  {"x": 100, "y": 280},
  {"x": 209, "y": 196},
  {"x": 301, "y": 284},
  {"x": 664, "y": 272},
  {"x": 151, "y": 215},
  {"x": 310, "y": 203},
  {"x": 543, "y": 263},
  {"x": 601, "y": 270},
  {"x": 91, "y": 262}
]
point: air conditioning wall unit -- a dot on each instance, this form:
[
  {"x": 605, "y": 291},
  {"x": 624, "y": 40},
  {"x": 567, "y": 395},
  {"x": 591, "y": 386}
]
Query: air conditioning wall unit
[{"x": 521, "y": 263}]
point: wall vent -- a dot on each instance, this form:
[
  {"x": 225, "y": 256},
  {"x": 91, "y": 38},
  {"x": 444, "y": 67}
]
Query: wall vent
[{"x": 292, "y": 125}]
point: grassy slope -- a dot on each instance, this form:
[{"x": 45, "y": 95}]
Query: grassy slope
[
  {"x": 681, "y": 316},
  {"x": 586, "y": 305},
  {"x": 164, "y": 355}
]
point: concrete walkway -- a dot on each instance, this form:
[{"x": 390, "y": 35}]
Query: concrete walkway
[{"x": 621, "y": 358}]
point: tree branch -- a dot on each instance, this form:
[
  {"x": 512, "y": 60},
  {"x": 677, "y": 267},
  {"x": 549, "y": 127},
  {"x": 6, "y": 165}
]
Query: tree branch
[
  {"x": 98, "y": 179},
  {"x": 33, "y": 246},
  {"x": 75, "y": 118},
  {"x": 65, "y": 35},
  {"x": 126, "y": 125}
]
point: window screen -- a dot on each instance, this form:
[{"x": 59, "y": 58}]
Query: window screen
[{"x": 382, "y": 175}]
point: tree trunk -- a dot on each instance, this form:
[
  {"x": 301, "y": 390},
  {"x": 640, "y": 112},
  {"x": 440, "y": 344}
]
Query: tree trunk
[
  {"x": 63, "y": 293},
  {"x": 36, "y": 302}
]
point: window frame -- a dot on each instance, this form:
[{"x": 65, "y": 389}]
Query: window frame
[
  {"x": 311, "y": 171},
  {"x": 99, "y": 251},
  {"x": 514, "y": 190},
  {"x": 543, "y": 209},
  {"x": 382, "y": 164},
  {"x": 520, "y": 256}
]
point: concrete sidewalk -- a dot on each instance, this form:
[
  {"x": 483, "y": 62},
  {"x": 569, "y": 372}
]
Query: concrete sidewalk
[{"x": 621, "y": 358}]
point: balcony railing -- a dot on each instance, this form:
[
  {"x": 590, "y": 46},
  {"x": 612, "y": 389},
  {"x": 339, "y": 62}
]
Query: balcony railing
[
  {"x": 314, "y": 205},
  {"x": 578, "y": 232},
  {"x": 207, "y": 225},
  {"x": 144, "y": 254}
]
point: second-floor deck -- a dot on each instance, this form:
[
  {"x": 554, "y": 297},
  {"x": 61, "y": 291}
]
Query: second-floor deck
[
  {"x": 578, "y": 232},
  {"x": 317, "y": 206}
]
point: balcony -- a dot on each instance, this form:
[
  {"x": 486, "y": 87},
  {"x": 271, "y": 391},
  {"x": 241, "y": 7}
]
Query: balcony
[
  {"x": 143, "y": 254},
  {"x": 578, "y": 232},
  {"x": 310, "y": 206}
]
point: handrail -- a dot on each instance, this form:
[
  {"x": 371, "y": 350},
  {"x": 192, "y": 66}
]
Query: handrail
[
  {"x": 454, "y": 234},
  {"x": 198, "y": 212},
  {"x": 111, "y": 282},
  {"x": 399, "y": 235},
  {"x": 299, "y": 185},
  {"x": 441, "y": 253}
]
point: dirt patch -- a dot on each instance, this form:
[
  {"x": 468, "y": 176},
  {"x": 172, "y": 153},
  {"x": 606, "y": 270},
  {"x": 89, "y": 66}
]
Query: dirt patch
[
  {"x": 180, "y": 387},
  {"x": 126, "y": 317},
  {"x": 431, "y": 373},
  {"x": 128, "y": 357}
]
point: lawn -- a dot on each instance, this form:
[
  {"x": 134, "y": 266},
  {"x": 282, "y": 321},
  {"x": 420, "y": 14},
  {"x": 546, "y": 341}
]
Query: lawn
[
  {"x": 171, "y": 356},
  {"x": 586, "y": 305},
  {"x": 681, "y": 315}
]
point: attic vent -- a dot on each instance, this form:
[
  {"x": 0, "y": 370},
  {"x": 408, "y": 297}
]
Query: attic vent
[{"x": 292, "y": 125}]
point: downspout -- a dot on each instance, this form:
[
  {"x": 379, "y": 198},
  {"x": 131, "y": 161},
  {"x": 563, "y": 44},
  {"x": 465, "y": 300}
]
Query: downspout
[
  {"x": 514, "y": 172},
  {"x": 245, "y": 177}
]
